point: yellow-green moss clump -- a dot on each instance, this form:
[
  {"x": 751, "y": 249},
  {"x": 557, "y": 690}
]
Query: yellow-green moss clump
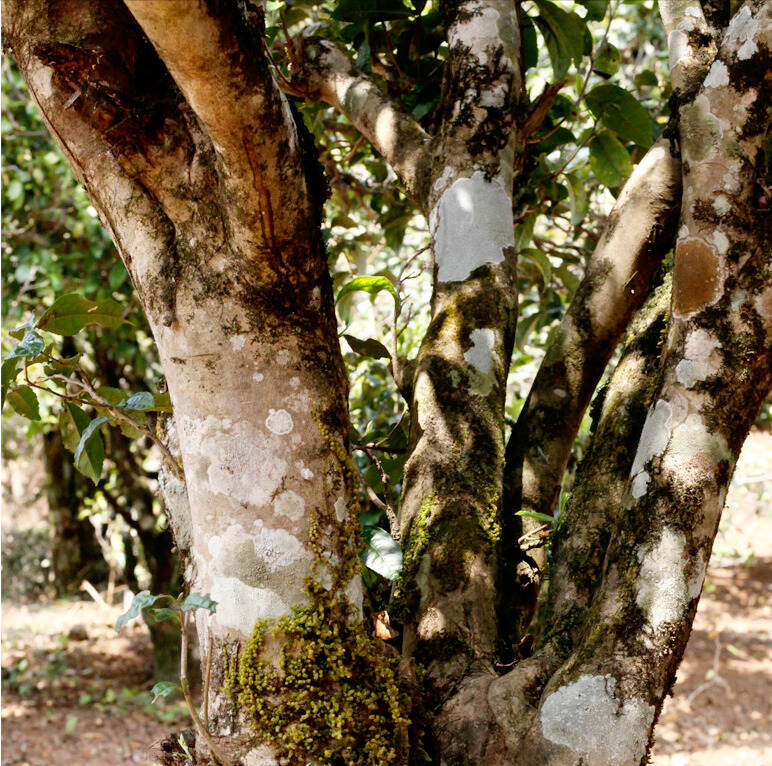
[
  {"x": 333, "y": 694},
  {"x": 334, "y": 698}
]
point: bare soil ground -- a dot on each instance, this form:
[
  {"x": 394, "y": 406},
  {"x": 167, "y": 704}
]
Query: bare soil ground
[{"x": 70, "y": 700}]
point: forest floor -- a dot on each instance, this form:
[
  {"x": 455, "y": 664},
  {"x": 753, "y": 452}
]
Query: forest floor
[{"x": 75, "y": 693}]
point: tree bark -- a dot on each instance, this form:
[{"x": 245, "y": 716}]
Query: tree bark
[{"x": 170, "y": 115}]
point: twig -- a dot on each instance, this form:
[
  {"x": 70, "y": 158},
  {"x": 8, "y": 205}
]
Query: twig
[
  {"x": 388, "y": 508},
  {"x": 216, "y": 754},
  {"x": 715, "y": 679},
  {"x": 207, "y": 674}
]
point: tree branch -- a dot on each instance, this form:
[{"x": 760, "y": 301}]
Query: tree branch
[
  {"x": 690, "y": 43},
  {"x": 214, "y": 53},
  {"x": 328, "y": 75},
  {"x": 617, "y": 281}
]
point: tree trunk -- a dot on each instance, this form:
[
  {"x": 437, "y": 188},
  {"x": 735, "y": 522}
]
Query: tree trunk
[
  {"x": 209, "y": 188},
  {"x": 75, "y": 551}
]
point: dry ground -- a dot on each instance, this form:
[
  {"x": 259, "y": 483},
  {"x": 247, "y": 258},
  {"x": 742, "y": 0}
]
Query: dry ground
[{"x": 85, "y": 702}]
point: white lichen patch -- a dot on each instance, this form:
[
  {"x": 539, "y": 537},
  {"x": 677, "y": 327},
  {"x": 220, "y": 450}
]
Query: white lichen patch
[
  {"x": 663, "y": 595},
  {"x": 290, "y": 504},
  {"x": 738, "y": 298},
  {"x": 718, "y": 76},
  {"x": 702, "y": 131},
  {"x": 260, "y": 756},
  {"x": 479, "y": 32},
  {"x": 655, "y": 435},
  {"x": 279, "y": 422},
  {"x": 240, "y": 606},
  {"x": 235, "y": 460},
  {"x": 480, "y": 355},
  {"x": 721, "y": 204},
  {"x": 444, "y": 178},
  {"x": 640, "y": 483},
  {"x": 700, "y": 358},
  {"x": 742, "y": 30},
  {"x": 471, "y": 226},
  {"x": 354, "y": 592},
  {"x": 587, "y": 717},
  {"x": 307, "y": 474},
  {"x": 258, "y": 377},
  {"x": 41, "y": 80},
  {"x": 276, "y": 549},
  {"x": 720, "y": 240},
  {"x": 238, "y": 341},
  {"x": 678, "y": 47},
  {"x": 695, "y": 452},
  {"x": 340, "y": 510}
]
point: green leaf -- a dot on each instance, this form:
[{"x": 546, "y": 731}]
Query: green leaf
[
  {"x": 554, "y": 140},
  {"x": 544, "y": 517},
  {"x": 89, "y": 433},
  {"x": 25, "y": 402},
  {"x": 646, "y": 79},
  {"x": 609, "y": 159},
  {"x": 371, "y": 285},
  {"x": 530, "y": 46},
  {"x": 596, "y": 9},
  {"x": 197, "y": 601},
  {"x": 161, "y": 614},
  {"x": 538, "y": 260},
  {"x": 568, "y": 278},
  {"x": 72, "y": 312},
  {"x": 164, "y": 689},
  {"x": 9, "y": 373},
  {"x": 31, "y": 345},
  {"x": 525, "y": 328},
  {"x": 141, "y": 601},
  {"x": 118, "y": 275},
  {"x": 141, "y": 401},
  {"x": 577, "y": 194},
  {"x": 371, "y": 347},
  {"x": 70, "y": 724},
  {"x": 563, "y": 32},
  {"x": 382, "y": 554},
  {"x": 621, "y": 112},
  {"x": 73, "y": 421},
  {"x": 606, "y": 60}
]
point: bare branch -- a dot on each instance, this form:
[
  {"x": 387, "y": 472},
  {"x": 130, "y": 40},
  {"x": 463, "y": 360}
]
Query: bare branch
[
  {"x": 328, "y": 75},
  {"x": 690, "y": 43},
  {"x": 639, "y": 232}
]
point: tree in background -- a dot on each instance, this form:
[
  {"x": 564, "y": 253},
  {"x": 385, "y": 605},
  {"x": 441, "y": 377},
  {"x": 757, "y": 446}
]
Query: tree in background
[
  {"x": 174, "y": 117},
  {"x": 53, "y": 244}
]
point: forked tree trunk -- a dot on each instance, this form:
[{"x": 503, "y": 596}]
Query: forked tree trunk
[{"x": 170, "y": 116}]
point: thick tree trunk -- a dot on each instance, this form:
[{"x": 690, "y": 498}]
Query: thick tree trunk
[{"x": 199, "y": 170}]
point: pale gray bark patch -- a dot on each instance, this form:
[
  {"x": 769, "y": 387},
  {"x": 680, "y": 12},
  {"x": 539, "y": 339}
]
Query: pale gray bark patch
[
  {"x": 743, "y": 28},
  {"x": 663, "y": 593},
  {"x": 588, "y": 718},
  {"x": 472, "y": 226},
  {"x": 240, "y": 606},
  {"x": 654, "y": 436}
]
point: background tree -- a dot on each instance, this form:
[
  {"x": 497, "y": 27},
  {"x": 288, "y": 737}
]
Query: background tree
[
  {"x": 206, "y": 178},
  {"x": 52, "y": 245}
]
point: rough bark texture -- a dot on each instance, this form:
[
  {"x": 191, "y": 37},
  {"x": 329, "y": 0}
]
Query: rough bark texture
[
  {"x": 172, "y": 120},
  {"x": 618, "y": 279}
]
